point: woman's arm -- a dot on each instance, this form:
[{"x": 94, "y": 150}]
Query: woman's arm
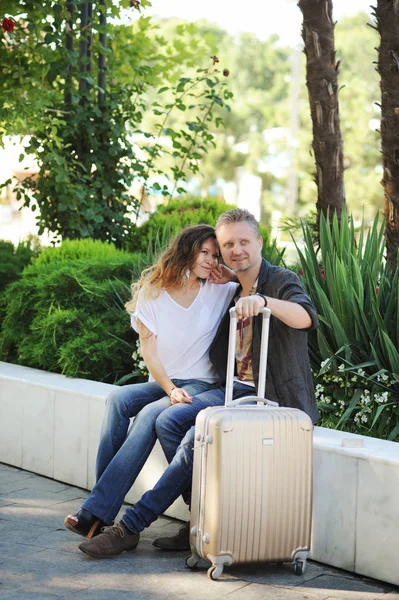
[{"x": 148, "y": 343}]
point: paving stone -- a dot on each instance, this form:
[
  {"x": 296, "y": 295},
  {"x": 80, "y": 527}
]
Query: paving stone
[
  {"x": 98, "y": 593},
  {"x": 173, "y": 584},
  {"x": 9, "y": 594},
  {"x": 256, "y": 591},
  {"x": 13, "y": 551},
  {"x": 338, "y": 585},
  {"x": 40, "y": 559},
  {"x": 273, "y": 574},
  {"x": 10, "y": 487},
  {"x": 22, "y": 531},
  {"x": 31, "y": 496}
]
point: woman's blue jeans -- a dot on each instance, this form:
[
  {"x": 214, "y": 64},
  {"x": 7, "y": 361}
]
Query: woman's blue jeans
[
  {"x": 176, "y": 480},
  {"x": 122, "y": 451}
]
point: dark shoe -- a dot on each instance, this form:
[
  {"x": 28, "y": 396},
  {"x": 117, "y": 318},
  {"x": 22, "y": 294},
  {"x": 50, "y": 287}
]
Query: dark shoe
[
  {"x": 112, "y": 541},
  {"x": 180, "y": 541},
  {"x": 84, "y": 523}
]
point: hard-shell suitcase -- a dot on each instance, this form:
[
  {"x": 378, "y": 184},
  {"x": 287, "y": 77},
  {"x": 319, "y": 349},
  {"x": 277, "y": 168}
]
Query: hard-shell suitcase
[{"x": 252, "y": 479}]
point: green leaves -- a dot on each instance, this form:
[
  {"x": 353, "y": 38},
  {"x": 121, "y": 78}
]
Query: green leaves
[
  {"x": 358, "y": 304},
  {"x": 197, "y": 97},
  {"x": 66, "y": 314}
]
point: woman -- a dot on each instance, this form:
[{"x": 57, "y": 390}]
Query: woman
[{"x": 176, "y": 311}]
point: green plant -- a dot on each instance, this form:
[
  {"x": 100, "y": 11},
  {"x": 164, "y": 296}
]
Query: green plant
[
  {"x": 64, "y": 313},
  {"x": 13, "y": 259},
  {"x": 169, "y": 219},
  {"x": 352, "y": 400},
  {"x": 357, "y": 301},
  {"x": 84, "y": 106}
]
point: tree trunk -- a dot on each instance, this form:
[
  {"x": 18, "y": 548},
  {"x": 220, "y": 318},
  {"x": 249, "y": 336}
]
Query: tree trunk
[
  {"x": 102, "y": 63},
  {"x": 322, "y": 83},
  {"x": 69, "y": 48},
  {"x": 387, "y": 16},
  {"x": 83, "y": 48}
]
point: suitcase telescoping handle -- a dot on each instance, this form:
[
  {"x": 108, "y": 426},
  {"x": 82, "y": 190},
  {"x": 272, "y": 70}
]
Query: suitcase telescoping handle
[{"x": 266, "y": 312}]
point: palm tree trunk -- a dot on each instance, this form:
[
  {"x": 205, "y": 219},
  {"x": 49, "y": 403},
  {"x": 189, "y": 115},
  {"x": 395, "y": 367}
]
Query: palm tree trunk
[
  {"x": 322, "y": 83},
  {"x": 387, "y": 16}
]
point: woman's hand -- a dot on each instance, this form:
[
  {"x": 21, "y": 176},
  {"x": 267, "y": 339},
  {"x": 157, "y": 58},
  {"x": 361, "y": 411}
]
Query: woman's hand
[
  {"x": 222, "y": 274},
  {"x": 179, "y": 395}
]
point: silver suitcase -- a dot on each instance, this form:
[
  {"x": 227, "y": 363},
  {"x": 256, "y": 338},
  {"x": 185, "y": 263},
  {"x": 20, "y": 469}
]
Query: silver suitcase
[{"x": 252, "y": 479}]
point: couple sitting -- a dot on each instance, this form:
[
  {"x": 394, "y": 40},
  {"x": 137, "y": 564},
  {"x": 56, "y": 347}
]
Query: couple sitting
[{"x": 180, "y": 310}]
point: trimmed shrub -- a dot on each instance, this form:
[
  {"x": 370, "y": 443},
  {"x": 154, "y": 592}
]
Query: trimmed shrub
[
  {"x": 169, "y": 219},
  {"x": 13, "y": 260},
  {"x": 66, "y": 312}
]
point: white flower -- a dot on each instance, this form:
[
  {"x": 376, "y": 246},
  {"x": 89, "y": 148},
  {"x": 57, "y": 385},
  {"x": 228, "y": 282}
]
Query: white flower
[
  {"x": 361, "y": 372},
  {"x": 384, "y": 377},
  {"x": 142, "y": 365},
  {"x": 364, "y": 418},
  {"x": 341, "y": 368},
  {"x": 323, "y": 364}
]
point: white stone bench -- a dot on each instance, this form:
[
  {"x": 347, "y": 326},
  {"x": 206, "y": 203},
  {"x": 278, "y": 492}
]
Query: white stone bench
[
  {"x": 356, "y": 504},
  {"x": 50, "y": 425}
]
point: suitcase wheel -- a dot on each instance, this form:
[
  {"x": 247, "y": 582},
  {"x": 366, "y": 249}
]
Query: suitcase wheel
[
  {"x": 191, "y": 562},
  {"x": 215, "y": 572},
  {"x": 299, "y": 567}
]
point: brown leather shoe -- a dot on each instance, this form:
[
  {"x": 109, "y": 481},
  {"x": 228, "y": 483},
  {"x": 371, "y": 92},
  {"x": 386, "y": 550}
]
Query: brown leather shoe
[
  {"x": 111, "y": 541},
  {"x": 180, "y": 541}
]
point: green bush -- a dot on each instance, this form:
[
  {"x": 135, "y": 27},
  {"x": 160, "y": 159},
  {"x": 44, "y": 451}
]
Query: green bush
[
  {"x": 65, "y": 314},
  {"x": 170, "y": 219},
  {"x": 354, "y": 352},
  {"x": 13, "y": 260},
  {"x": 84, "y": 249}
]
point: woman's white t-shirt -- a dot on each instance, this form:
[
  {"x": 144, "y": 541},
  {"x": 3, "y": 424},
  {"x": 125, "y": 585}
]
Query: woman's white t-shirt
[{"x": 184, "y": 335}]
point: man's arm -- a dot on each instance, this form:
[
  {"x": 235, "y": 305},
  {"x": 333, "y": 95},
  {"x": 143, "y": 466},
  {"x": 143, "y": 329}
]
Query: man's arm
[{"x": 290, "y": 313}]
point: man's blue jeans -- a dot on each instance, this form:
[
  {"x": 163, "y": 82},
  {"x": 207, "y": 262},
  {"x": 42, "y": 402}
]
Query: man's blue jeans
[
  {"x": 176, "y": 480},
  {"x": 122, "y": 451}
]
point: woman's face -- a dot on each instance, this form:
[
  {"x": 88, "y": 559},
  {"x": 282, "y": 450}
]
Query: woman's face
[{"x": 207, "y": 259}]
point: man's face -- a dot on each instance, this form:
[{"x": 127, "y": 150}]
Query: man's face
[{"x": 240, "y": 247}]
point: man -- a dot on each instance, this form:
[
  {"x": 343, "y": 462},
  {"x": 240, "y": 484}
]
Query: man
[{"x": 289, "y": 378}]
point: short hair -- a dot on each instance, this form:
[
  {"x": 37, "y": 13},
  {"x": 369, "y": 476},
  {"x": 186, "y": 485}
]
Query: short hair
[{"x": 238, "y": 215}]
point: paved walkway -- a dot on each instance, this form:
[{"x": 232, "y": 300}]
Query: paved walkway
[{"x": 40, "y": 559}]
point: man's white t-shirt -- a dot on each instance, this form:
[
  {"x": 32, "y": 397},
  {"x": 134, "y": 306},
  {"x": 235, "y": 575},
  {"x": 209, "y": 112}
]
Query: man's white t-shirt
[{"x": 184, "y": 335}]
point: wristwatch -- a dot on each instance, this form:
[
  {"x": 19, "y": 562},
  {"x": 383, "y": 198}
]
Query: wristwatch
[{"x": 262, "y": 296}]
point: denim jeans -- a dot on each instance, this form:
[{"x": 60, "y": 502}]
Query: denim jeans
[
  {"x": 122, "y": 451},
  {"x": 176, "y": 480}
]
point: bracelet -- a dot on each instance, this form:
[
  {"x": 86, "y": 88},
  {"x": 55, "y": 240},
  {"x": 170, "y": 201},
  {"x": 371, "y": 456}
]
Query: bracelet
[
  {"x": 171, "y": 391},
  {"x": 262, "y": 296}
]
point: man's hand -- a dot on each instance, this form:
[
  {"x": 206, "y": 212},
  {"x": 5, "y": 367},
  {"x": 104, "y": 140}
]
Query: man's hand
[
  {"x": 179, "y": 395},
  {"x": 249, "y": 306},
  {"x": 222, "y": 274}
]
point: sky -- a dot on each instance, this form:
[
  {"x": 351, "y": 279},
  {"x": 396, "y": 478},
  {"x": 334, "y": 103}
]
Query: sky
[{"x": 262, "y": 17}]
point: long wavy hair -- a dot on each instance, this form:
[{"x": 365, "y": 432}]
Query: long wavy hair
[{"x": 171, "y": 266}]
